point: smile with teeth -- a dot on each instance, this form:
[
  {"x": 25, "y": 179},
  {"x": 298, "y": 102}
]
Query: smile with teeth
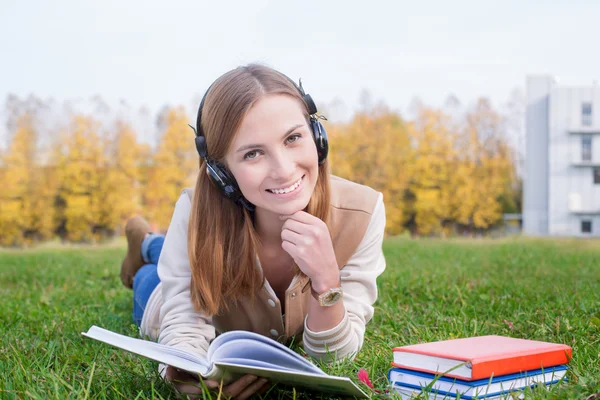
[{"x": 288, "y": 189}]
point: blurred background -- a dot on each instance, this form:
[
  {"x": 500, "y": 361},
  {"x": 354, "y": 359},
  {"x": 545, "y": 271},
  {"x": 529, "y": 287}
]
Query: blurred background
[{"x": 445, "y": 107}]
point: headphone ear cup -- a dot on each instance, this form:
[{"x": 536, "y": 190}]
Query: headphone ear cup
[
  {"x": 225, "y": 182},
  {"x": 201, "y": 146},
  {"x": 222, "y": 179},
  {"x": 320, "y": 136},
  {"x": 310, "y": 103}
]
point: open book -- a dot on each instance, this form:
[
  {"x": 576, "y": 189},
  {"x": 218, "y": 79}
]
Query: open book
[{"x": 236, "y": 353}]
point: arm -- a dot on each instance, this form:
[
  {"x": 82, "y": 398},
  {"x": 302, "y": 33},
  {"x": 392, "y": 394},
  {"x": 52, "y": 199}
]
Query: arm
[
  {"x": 358, "y": 280},
  {"x": 181, "y": 326}
]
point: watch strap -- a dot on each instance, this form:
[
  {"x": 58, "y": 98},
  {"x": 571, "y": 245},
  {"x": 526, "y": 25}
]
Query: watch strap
[{"x": 316, "y": 294}]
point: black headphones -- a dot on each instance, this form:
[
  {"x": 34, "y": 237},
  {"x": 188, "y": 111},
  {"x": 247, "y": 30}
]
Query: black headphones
[{"x": 224, "y": 180}]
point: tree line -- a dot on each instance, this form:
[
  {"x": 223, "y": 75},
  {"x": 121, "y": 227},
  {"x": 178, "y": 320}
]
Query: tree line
[{"x": 442, "y": 173}]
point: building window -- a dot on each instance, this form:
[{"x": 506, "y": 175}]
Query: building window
[
  {"x": 586, "y": 114},
  {"x": 586, "y": 226},
  {"x": 586, "y": 148},
  {"x": 597, "y": 176}
]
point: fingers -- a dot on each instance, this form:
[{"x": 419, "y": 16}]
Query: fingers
[
  {"x": 235, "y": 388},
  {"x": 264, "y": 387},
  {"x": 211, "y": 384},
  {"x": 189, "y": 389},
  {"x": 190, "y": 385},
  {"x": 187, "y": 383},
  {"x": 301, "y": 216},
  {"x": 171, "y": 373},
  {"x": 289, "y": 247},
  {"x": 290, "y": 236},
  {"x": 195, "y": 389},
  {"x": 308, "y": 231},
  {"x": 177, "y": 375},
  {"x": 295, "y": 226},
  {"x": 299, "y": 234},
  {"x": 253, "y": 388},
  {"x": 187, "y": 386}
]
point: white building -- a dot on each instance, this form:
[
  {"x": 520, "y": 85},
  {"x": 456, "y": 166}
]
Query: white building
[{"x": 561, "y": 188}]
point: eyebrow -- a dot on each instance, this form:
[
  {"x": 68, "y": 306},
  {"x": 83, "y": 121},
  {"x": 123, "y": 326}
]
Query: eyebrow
[{"x": 252, "y": 146}]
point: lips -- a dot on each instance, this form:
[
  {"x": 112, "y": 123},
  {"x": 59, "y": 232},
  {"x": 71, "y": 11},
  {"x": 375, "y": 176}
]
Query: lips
[{"x": 287, "y": 189}]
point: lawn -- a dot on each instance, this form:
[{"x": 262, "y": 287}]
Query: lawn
[{"x": 432, "y": 290}]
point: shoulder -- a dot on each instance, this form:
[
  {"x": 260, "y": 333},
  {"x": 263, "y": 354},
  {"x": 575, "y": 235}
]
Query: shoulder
[
  {"x": 181, "y": 212},
  {"x": 188, "y": 192},
  {"x": 351, "y": 196}
]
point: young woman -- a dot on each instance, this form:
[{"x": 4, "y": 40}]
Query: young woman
[{"x": 267, "y": 241}]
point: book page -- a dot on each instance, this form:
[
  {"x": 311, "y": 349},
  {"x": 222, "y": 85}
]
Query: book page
[
  {"x": 154, "y": 351},
  {"x": 313, "y": 382},
  {"x": 256, "y": 363},
  {"x": 249, "y": 349}
]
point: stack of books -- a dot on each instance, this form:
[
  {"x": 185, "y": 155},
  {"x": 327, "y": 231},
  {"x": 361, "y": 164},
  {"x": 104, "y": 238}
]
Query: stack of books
[{"x": 482, "y": 367}]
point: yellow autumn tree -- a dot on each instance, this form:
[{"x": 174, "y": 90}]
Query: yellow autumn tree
[
  {"x": 26, "y": 201},
  {"x": 430, "y": 170},
  {"x": 80, "y": 162},
  {"x": 485, "y": 172},
  {"x": 118, "y": 192},
  {"x": 374, "y": 149},
  {"x": 39, "y": 203},
  {"x": 174, "y": 167},
  {"x": 16, "y": 169}
]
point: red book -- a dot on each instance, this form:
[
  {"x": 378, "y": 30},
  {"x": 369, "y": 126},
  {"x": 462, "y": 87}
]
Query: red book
[{"x": 483, "y": 356}]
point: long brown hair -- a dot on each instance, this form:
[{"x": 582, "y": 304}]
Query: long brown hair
[{"x": 222, "y": 241}]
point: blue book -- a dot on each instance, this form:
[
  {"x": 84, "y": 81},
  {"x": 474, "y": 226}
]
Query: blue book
[
  {"x": 409, "y": 380},
  {"x": 407, "y": 393}
]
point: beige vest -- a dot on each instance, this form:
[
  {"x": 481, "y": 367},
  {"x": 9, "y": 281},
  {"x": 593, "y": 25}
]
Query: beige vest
[{"x": 351, "y": 208}]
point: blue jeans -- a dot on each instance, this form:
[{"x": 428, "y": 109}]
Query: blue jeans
[{"x": 146, "y": 278}]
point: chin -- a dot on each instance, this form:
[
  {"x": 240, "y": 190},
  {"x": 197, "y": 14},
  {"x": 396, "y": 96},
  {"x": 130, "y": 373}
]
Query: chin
[{"x": 285, "y": 207}]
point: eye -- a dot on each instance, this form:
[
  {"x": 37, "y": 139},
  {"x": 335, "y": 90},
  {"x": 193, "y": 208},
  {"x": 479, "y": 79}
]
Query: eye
[
  {"x": 251, "y": 155},
  {"x": 295, "y": 138}
]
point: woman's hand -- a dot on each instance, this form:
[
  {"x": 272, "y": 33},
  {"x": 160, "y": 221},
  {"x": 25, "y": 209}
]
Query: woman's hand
[
  {"x": 190, "y": 385},
  {"x": 306, "y": 238}
]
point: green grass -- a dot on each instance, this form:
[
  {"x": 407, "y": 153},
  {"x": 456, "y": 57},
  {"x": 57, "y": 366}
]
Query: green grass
[{"x": 432, "y": 290}]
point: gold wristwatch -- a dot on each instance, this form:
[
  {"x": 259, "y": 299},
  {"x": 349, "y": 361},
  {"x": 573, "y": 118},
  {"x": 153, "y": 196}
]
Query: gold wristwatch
[{"x": 328, "y": 298}]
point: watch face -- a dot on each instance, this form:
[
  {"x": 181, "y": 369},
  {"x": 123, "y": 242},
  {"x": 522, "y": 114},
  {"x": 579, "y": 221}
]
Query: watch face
[{"x": 332, "y": 297}]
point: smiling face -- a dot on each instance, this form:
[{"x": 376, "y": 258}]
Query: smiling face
[{"x": 273, "y": 156}]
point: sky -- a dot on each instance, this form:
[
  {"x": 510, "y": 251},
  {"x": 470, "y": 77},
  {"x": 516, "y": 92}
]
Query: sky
[{"x": 152, "y": 53}]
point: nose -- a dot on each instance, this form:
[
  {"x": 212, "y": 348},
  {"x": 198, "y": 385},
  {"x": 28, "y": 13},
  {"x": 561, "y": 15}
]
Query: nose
[{"x": 282, "y": 167}]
